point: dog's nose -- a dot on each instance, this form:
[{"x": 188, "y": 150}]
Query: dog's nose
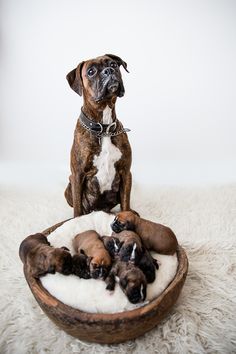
[{"x": 108, "y": 71}]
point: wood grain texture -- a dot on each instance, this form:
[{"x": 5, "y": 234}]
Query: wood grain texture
[{"x": 109, "y": 328}]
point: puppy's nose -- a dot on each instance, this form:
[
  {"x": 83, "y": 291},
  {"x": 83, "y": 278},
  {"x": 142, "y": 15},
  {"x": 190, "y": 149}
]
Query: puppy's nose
[{"x": 108, "y": 71}]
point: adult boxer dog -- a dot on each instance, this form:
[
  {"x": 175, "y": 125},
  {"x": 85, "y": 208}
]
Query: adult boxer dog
[
  {"x": 130, "y": 278},
  {"x": 156, "y": 237},
  {"x": 41, "y": 258},
  {"x": 101, "y": 154},
  {"x": 90, "y": 244}
]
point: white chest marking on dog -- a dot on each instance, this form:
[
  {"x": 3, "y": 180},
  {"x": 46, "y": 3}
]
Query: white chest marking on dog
[
  {"x": 132, "y": 257},
  {"x": 141, "y": 292},
  {"x": 117, "y": 279},
  {"x": 107, "y": 158},
  {"x": 115, "y": 245}
]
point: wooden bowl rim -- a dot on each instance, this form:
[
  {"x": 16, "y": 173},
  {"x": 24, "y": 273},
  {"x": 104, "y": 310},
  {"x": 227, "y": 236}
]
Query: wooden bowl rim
[{"x": 45, "y": 297}]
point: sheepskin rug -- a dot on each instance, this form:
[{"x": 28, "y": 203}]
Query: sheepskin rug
[
  {"x": 90, "y": 295},
  {"x": 204, "y": 317}
]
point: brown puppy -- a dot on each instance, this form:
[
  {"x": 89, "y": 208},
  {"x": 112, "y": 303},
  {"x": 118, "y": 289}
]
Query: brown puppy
[
  {"x": 101, "y": 154},
  {"x": 90, "y": 244},
  {"x": 154, "y": 236},
  {"x": 132, "y": 250},
  {"x": 131, "y": 280},
  {"x": 41, "y": 258}
]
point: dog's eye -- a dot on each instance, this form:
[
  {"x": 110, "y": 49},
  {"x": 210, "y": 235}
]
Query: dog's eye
[
  {"x": 91, "y": 71},
  {"x": 113, "y": 64}
]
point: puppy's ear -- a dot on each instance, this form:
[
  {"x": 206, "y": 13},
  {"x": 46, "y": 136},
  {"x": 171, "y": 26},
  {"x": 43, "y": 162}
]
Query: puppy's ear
[
  {"x": 118, "y": 60},
  {"x": 74, "y": 79},
  {"x": 65, "y": 248}
]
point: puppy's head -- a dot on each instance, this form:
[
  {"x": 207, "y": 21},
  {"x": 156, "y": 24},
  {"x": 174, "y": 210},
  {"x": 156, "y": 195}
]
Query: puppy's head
[
  {"x": 59, "y": 260},
  {"x": 80, "y": 266},
  {"x": 130, "y": 252},
  {"x": 125, "y": 220},
  {"x": 134, "y": 285},
  {"x": 98, "y": 79},
  {"x": 100, "y": 266},
  {"x": 112, "y": 245}
]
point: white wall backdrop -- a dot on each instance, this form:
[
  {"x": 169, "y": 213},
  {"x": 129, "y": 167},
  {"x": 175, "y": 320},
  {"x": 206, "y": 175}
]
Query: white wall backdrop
[{"x": 180, "y": 100}]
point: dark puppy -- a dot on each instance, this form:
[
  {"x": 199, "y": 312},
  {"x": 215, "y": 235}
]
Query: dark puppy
[
  {"x": 148, "y": 265},
  {"x": 131, "y": 280},
  {"x": 132, "y": 250},
  {"x": 112, "y": 245},
  {"x": 41, "y": 258},
  {"x": 80, "y": 266},
  {"x": 90, "y": 244},
  {"x": 101, "y": 154},
  {"x": 154, "y": 236}
]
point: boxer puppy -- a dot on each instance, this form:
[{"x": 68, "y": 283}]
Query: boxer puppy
[
  {"x": 41, "y": 258},
  {"x": 148, "y": 266},
  {"x": 156, "y": 237},
  {"x": 101, "y": 154},
  {"x": 80, "y": 266},
  {"x": 90, "y": 244},
  {"x": 112, "y": 245},
  {"x": 132, "y": 250},
  {"x": 130, "y": 278}
]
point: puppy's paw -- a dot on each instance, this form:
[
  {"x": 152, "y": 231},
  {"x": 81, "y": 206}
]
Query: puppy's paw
[{"x": 110, "y": 287}]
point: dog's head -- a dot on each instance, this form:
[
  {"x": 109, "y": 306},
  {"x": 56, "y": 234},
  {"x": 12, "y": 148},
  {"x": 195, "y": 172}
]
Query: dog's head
[
  {"x": 80, "y": 266},
  {"x": 125, "y": 220},
  {"x": 98, "y": 79},
  {"x": 59, "y": 260},
  {"x": 100, "y": 265},
  {"x": 134, "y": 285},
  {"x": 131, "y": 248},
  {"x": 112, "y": 245},
  {"x": 46, "y": 259}
]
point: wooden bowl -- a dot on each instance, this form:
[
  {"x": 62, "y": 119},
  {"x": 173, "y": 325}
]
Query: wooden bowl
[{"x": 109, "y": 328}]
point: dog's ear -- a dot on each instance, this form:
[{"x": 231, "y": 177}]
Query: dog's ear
[
  {"x": 75, "y": 79},
  {"x": 118, "y": 60}
]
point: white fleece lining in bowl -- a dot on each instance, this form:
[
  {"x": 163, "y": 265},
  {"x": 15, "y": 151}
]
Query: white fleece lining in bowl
[{"x": 90, "y": 295}]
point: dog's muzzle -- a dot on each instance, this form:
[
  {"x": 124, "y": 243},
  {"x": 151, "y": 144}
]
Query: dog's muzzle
[
  {"x": 110, "y": 84},
  {"x": 117, "y": 226}
]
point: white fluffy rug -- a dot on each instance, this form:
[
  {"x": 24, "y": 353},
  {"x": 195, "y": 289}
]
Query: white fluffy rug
[
  {"x": 90, "y": 295},
  {"x": 202, "y": 321}
]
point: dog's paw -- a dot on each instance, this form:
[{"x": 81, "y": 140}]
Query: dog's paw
[{"x": 110, "y": 287}]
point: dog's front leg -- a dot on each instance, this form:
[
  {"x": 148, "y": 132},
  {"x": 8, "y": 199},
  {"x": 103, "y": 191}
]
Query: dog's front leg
[
  {"x": 110, "y": 281},
  {"x": 77, "y": 187},
  {"x": 125, "y": 188}
]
